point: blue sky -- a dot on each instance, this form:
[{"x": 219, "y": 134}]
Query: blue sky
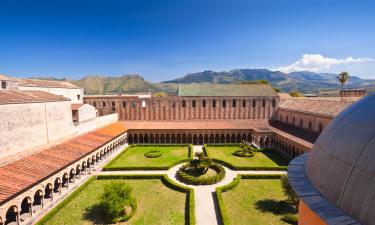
[{"x": 166, "y": 39}]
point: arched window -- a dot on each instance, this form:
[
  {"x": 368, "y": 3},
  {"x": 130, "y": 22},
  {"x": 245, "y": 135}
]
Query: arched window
[
  {"x": 320, "y": 128},
  {"x": 234, "y": 103},
  {"x": 263, "y": 103},
  {"x": 254, "y": 103},
  {"x": 94, "y": 104},
  {"x": 103, "y": 104},
  {"x": 224, "y": 104},
  {"x": 243, "y": 103},
  {"x": 204, "y": 103},
  {"x": 273, "y": 103},
  {"x": 193, "y": 103},
  {"x": 214, "y": 103},
  {"x": 124, "y": 104},
  {"x": 183, "y": 103}
]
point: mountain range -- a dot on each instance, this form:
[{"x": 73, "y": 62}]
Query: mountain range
[{"x": 305, "y": 81}]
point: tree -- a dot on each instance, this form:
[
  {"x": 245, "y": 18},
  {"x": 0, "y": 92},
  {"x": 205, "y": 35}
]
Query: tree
[
  {"x": 343, "y": 77},
  {"x": 115, "y": 198},
  {"x": 295, "y": 94},
  {"x": 246, "y": 150},
  {"x": 289, "y": 192},
  {"x": 203, "y": 163}
]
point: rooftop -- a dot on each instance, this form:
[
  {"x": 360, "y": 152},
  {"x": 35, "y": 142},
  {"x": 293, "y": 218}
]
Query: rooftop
[
  {"x": 46, "y": 83},
  {"x": 26, "y": 172},
  {"x": 4, "y": 77},
  {"x": 198, "y": 124},
  {"x": 192, "y": 90},
  {"x": 16, "y": 96},
  {"x": 322, "y": 107}
]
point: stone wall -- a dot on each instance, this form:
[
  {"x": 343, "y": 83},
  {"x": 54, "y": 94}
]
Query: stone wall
[
  {"x": 25, "y": 126},
  {"x": 185, "y": 108},
  {"x": 102, "y": 121}
]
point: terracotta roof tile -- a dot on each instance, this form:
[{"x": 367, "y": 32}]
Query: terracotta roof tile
[
  {"x": 15, "y": 96},
  {"x": 76, "y": 106},
  {"x": 18, "y": 176},
  {"x": 46, "y": 83},
  {"x": 319, "y": 107}
]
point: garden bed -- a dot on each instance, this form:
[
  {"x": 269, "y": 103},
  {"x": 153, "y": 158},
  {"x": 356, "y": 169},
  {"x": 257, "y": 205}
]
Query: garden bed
[{"x": 135, "y": 157}]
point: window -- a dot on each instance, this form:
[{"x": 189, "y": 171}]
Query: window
[
  {"x": 243, "y": 103},
  {"x": 193, "y": 103},
  {"x": 173, "y": 104},
  {"x": 234, "y": 103},
  {"x": 113, "y": 104},
  {"x": 273, "y": 103},
  {"x": 263, "y": 103},
  {"x": 3, "y": 85},
  {"x": 103, "y": 104},
  {"x": 124, "y": 104},
  {"x": 94, "y": 104},
  {"x": 254, "y": 103},
  {"x": 320, "y": 127},
  {"x": 224, "y": 103},
  {"x": 183, "y": 103},
  {"x": 79, "y": 97},
  {"x": 214, "y": 103},
  {"x": 204, "y": 103}
]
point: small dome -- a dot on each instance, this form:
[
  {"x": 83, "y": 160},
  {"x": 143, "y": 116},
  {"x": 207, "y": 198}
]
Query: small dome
[{"x": 342, "y": 163}]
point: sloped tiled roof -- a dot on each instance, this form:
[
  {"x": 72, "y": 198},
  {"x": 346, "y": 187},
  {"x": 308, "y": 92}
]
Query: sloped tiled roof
[
  {"x": 237, "y": 124},
  {"x": 46, "y": 83},
  {"x": 16, "y": 96},
  {"x": 318, "y": 107},
  {"x": 192, "y": 90},
  {"x": 18, "y": 176}
]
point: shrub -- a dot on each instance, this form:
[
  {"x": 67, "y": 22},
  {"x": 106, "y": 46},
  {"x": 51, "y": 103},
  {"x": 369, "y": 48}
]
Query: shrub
[
  {"x": 201, "y": 180},
  {"x": 291, "y": 219},
  {"x": 289, "y": 192},
  {"x": 153, "y": 154},
  {"x": 116, "y": 196}
]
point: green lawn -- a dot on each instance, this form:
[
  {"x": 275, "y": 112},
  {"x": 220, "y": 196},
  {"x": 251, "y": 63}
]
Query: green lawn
[
  {"x": 256, "y": 201},
  {"x": 261, "y": 159},
  {"x": 156, "y": 204},
  {"x": 133, "y": 157}
]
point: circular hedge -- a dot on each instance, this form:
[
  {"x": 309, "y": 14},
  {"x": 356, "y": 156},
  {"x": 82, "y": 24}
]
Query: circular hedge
[
  {"x": 187, "y": 178},
  {"x": 153, "y": 154},
  {"x": 241, "y": 153}
]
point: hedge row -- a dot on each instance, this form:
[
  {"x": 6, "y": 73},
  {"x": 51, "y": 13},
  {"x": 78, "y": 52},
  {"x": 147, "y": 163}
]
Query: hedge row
[
  {"x": 68, "y": 199},
  {"x": 190, "y": 204},
  {"x": 158, "y": 145},
  {"x": 106, "y": 168},
  {"x": 189, "y": 179},
  {"x": 233, "y": 184}
]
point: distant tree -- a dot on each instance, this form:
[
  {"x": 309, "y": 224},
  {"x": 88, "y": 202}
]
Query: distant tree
[
  {"x": 343, "y": 77},
  {"x": 278, "y": 90},
  {"x": 115, "y": 198},
  {"x": 289, "y": 192},
  {"x": 295, "y": 94},
  {"x": 254, "y": 82}
]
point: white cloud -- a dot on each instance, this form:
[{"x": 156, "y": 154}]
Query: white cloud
[{"x": 317, "y": 62}]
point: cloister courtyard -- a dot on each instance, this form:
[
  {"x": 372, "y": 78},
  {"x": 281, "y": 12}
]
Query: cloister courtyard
[{"x": 250, "y": 193}]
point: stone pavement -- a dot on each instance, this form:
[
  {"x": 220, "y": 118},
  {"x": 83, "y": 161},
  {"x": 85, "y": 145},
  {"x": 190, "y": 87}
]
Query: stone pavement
[{"x": 206, "y": 209}]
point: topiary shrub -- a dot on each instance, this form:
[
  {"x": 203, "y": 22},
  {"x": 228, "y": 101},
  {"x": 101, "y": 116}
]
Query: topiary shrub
[
  {"x": 188, "y": 174},
  {"x": 246, "y": 150},
  {"x": 117, "y": 202},
  {"x": 153, "y": 154}
]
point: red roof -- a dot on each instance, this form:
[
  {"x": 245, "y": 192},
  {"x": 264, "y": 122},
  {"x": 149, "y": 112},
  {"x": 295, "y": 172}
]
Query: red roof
[
  {"x": 76, "y": 106},
  {"x": 18, "y": 176},
  {"x": 237, "y": 124},
  {"x": 15, "y": 96}
]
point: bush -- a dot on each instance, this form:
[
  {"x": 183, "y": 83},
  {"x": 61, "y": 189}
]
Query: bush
[
  {"x": 153, "y": 154},
  {"x": 201, "y": 180},
  {"x": 117, "y": 196},
  {"x": 291, "y": 219}
]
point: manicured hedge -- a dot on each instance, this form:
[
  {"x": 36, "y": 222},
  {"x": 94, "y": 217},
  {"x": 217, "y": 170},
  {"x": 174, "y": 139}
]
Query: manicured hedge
[
  {"x": 233, "y": 184},
  {"x": 106, "y": 168},
  {"x": 69, "y": 198},
  {"x": 189, "y": 179},
  {"x": 153, "y": 154}
]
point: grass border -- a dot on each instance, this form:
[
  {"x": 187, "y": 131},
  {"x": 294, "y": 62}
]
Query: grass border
[
  {"x": 189, "y": 205},
  {"x": 233, "y": 167},
  {"x": 122, "y": 168},
  {"x": 236, "y": 181}
]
